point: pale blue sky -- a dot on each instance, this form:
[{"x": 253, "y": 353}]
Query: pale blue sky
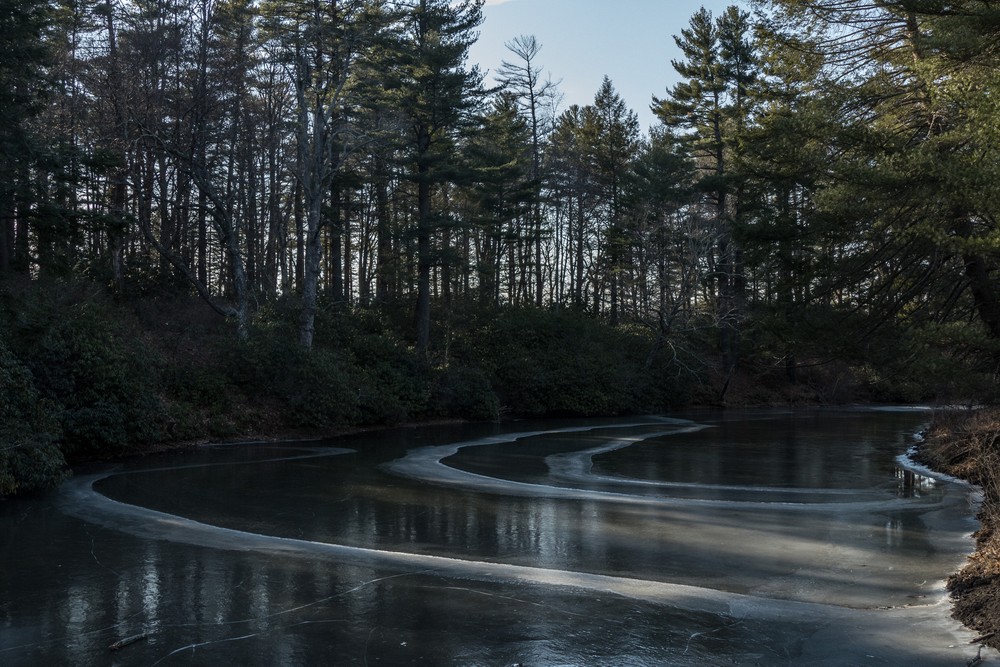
[{"x": 582, "y": 40}]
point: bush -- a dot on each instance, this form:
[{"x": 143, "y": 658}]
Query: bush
[
  {"x": 394, "y": 382},
  {"x": 78, "y": 386},
  {"x": 459, "y": 391},
  {"x": 314, "y": 387},
  {"x": 30, "y": 463},
  {"x": 565, "y": 363},
  {"x": 202, "y": 386},
  {"x": 29, "y": 456},
  {"x": 103, "y": 383},
  {"x": 320, "y": 391}
]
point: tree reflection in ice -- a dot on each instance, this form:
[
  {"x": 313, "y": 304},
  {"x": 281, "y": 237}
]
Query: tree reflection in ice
[{"x": 763, "y": 538}]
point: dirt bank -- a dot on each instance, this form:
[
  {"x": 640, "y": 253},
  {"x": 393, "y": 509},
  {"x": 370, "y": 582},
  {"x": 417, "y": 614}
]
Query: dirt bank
[{"x": 966, "y": 444}]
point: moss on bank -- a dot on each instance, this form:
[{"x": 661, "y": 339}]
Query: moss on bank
[{"x": 966, "y": 444}]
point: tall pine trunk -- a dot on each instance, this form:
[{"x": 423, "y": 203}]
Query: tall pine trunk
[{"x": 424, "y": 262}]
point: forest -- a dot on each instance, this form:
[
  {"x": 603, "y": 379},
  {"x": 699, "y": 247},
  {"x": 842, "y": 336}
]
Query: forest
[{"x": 231, "y": 217}]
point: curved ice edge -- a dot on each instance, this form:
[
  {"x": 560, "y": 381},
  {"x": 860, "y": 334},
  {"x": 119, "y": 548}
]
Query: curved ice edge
[
  {"x": 578, "y": 467},
  {"x": 907, "y": 462},
  {"x": 79, "y": 499},
  {"x": 426, "y": 464},
  {"x": 835, "y": 623}
]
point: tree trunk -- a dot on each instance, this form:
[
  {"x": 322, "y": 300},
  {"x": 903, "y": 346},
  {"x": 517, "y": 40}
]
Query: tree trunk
[
  {"x": 311, "y": 270},
  {"x": 300, "y": 238},
  {"x": 7, "y": 215},
  {"x": 384, "y": 268},
  {"x": 580, "y": 300},
  {"x": 336, "y": 277},
  {"x": 984, "y": 293},
  {"x": 423, "y": 314}
]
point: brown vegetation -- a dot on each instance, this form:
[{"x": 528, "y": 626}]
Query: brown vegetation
[{"x": 967, "y": 445}]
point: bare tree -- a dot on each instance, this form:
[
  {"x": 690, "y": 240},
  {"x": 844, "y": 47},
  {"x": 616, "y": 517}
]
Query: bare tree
[
  {"x": 319, "y": 42},
  {"x": 523, "y": 78}
]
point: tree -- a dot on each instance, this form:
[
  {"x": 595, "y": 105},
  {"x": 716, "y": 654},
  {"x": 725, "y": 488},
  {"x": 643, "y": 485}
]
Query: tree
[
  {"x": 915, "y": 143},
  {"x": 572, "y": 181},
  {"x": 319, "y": 42},
  {"x": 614, "y": 148},
  {"x": 672, "y": 241},
  {"x": 435, "y": 92},
  {"x": 22, "y": 84},
  {"x": 523, "y": 78},
  {"x": 200, "y": 151},
  {"x": 785, "y": 155},
  {"x": 503, "y": 193},
  {"x": 709, "y": 108}
]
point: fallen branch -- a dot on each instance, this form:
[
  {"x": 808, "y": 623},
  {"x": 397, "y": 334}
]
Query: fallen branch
[{"x": 122, "y": 643}]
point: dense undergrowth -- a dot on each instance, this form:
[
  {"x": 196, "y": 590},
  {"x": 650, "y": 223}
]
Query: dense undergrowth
[{"x": 85, "y": 376}]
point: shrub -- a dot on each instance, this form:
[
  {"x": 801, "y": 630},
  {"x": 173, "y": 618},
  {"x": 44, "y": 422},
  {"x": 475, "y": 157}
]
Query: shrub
[
  {"x": 103, "y": 383},
  {"x": 29, "y": 456},
  {"x": 394, "y": 381},
  {"x": 315, "y": 387},
  {"x": 460, "y": 391},
  {"x": 565, "y": 363},
  {"x": 30, "y": 463}
]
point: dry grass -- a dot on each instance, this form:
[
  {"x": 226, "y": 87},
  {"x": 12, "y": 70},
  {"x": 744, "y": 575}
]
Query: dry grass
[{"x": 967, "y": 445}]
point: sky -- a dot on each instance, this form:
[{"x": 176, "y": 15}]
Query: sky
[{"x": 630, "y": 41}]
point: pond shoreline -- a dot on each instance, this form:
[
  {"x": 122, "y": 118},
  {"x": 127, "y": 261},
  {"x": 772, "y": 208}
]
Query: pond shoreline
[
  {"x": 352, "y": 555},
  {"x": 960, "y": 443},
  {"x": 966, "y": 444}
]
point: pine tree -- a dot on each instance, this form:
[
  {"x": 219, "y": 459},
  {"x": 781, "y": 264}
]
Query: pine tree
[
  {"x": 435, "y": 93},
  {"x": 910, "y": 203},
  {"x": 23, "y": 83},
  {"x": 503, "y": 194},
  {"x": 615, "y": 147},
  {"x": 709, "y": 111}
]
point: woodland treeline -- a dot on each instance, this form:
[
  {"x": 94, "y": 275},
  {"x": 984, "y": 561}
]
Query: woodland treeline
[{"x": 371, "y": 214}]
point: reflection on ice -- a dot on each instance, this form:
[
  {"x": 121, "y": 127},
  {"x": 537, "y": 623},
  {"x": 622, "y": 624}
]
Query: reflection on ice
[
  {"x": 620, "y": 543},
  {"x": 83, "y": 500}
]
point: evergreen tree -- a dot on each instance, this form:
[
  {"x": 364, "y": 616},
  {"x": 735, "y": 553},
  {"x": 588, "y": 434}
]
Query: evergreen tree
[
  {"x": 573, "y": 178},
  {"x": 435, "y": 92},
  {"x": 503, "y": 194},
  {"x": 909, "y": 88},
  {"x": 614, "y": 148},
  {"x": 709, "y": 109},
  {"x": 670, "y": 248},
  {"x": 23, "y": 83}
]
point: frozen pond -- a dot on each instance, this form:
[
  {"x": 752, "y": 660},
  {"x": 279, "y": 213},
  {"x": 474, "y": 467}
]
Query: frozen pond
[{"x": 761, "y": 537}]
